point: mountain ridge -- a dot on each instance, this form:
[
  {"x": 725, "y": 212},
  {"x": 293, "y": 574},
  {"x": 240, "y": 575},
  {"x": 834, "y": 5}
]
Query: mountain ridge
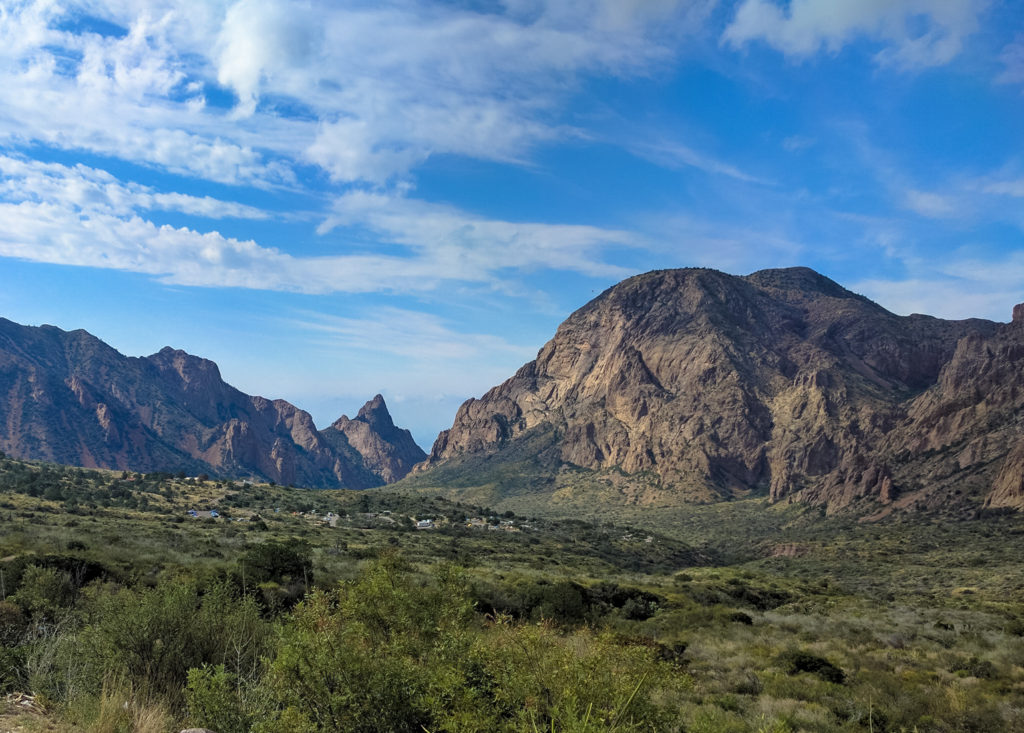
[
  {"x": 784, "y": 382},
  {"x": 71, "y": 398}
]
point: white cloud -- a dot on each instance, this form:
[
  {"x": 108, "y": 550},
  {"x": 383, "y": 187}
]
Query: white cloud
[
  {"x": 941, "y": 297},
  {"x": 259, "y": 38},
  {"x": 1012, "y": 58},
  {"x": 95, "y": 191},
  {"x": 121, "y": 96},
  {"x": 406, "y": 354},
  {"x": 84, "y": 216},
  {"x": 178, "y": 255},
  {"x": 1006, "y": 188},
  {"x": 675, "y": 155},
  {"x": 960, "y": 288},
  {"x": 408, "y": 334},
  {"x": 931, "y": 205},
  {"x": 689, "y": 241},
  {"x": 470, "y": 246},
  {"x": 915, "y": 33},
  {"x": 366, "y": 91}
]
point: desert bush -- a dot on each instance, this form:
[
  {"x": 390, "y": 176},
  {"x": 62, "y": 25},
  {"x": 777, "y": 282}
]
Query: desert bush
[
  {"x": 975, "y": 667},
  {"x": 152, "y": 637},
  {"x": 564, "y": 601},
  {"x": 13, "y": 674},
  {"x": 44, "y": 593},
  {"x": 213, "y": 700},
  {"x": 382, "y": 653},
  {"x": 794, "y": 662},
  {"x": 13, "y": 624},
  {"x": 580, "y": 681}
]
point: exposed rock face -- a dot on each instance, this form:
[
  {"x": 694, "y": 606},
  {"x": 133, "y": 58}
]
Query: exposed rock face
[
  {"x": 387, "y": 451},
  {"x": 781, "y": 381},
  {"x": 968, "y": 429},
  {"x": 70, "y": 398}
]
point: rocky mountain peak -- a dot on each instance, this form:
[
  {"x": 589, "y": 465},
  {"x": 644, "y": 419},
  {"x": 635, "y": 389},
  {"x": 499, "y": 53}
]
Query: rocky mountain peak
[
  {"x": 801, "y": 279},
  {"x": 1018, "y": 313},
  {"x": 708, "y": 386},
  {"x": 189, "y": 367},
  {"x": 375, "y": 413},
  {"x": 387, "y": 450}
]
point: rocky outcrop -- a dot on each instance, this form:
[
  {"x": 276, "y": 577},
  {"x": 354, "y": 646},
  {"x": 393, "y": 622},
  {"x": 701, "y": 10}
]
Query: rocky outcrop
[
  {"x": 966, "y": 431},
  {"x": 1008, "y": 487},
  {"x": 781, "y": 382},
  {"x": 70, "y": 398},
  {"x": 386, "y": 450}
]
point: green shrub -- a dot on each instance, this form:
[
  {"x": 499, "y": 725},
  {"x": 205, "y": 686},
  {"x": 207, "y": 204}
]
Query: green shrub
[
  {"x": 738, "y": 617},
  {"x": 13, "y": 624},
  {"x": 211, "y": 695},
  {"x": 543, "y": 680},
  {"x": 13, "y": 674},
  {"x": 795, "y": 662},
  {"x": 44, "y": 593},
  {"x": 288, "y": 566},
  {"x": 152, "y": 637},
  {"x": 382, "y": 653},
  {"x": 975, "y": 667}
]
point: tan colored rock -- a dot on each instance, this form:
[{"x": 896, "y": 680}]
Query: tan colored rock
[
  {"x": 1008, "y": 487},
  {"x": 781, "y": 381}
]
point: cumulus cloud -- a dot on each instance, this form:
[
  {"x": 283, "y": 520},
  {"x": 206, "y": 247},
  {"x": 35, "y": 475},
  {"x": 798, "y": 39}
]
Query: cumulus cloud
[
  {"x": 258, "y": 39},
  {"x": 252, "y": 92},
  {"x": 914, "y": 33},
  {"x": 365, "y": 91},
  {"x": 132, "y": 96}
]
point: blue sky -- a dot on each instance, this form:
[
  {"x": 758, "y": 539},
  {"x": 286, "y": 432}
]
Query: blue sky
[{"x": 335, "y": 199}]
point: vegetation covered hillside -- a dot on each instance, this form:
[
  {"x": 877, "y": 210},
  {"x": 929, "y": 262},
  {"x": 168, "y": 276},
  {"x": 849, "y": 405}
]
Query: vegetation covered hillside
[{"x": 126, "y": 605}]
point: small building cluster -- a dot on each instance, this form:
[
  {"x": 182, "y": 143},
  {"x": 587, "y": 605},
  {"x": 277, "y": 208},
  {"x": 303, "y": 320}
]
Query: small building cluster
[{"x": 502, "y": 525}]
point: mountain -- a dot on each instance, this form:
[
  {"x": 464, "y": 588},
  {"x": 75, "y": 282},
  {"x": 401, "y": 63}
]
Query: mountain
[
  {"x": 694, "y": 385},
  {"x": 389, "y": 452},
  {"x": 68, "y": 397}
]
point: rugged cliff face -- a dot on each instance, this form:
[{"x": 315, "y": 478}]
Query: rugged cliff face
[
  {"x": 70, "y": 398},
  {"x": 386, "y": 450},
  {"x": 967, "y": 430},
  {"x": 781, "y": 382}
]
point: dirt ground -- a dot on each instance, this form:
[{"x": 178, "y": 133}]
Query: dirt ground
[{"x": 22, "y": 714}]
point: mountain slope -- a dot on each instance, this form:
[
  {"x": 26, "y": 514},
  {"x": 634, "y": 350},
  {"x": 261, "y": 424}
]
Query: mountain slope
[
  {"x": 70, "y": 398},
  {"x": 702, "y": 386}
]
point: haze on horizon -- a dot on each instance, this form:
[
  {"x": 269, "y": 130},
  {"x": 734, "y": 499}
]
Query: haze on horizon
[{"x": 336, "y": 199}]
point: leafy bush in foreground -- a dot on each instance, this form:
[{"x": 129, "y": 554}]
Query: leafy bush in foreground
[{"x": 395, "y": 652}]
